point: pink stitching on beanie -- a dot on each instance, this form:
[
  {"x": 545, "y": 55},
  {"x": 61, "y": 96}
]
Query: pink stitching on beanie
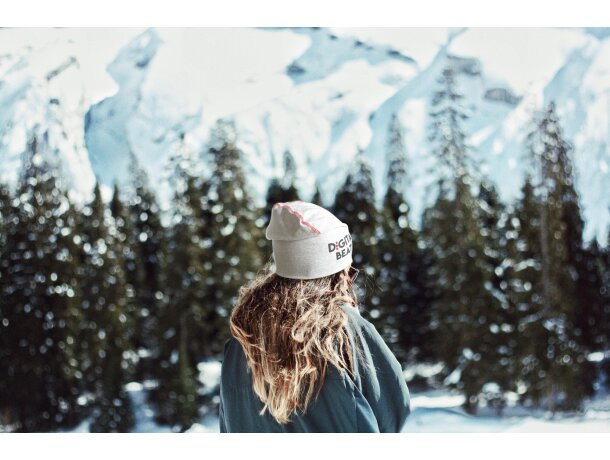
[{"x": 298, "y": 214}]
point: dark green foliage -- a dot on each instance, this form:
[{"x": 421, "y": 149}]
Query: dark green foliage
[
  {"x": 591, "y": 320},
  {"x": 355, "y": 205},
  {"x": 605, "y": 270},
  {"x": 519, "y": 273},
  {"x": 465, "y": 309},
  {"x": 184, "y": 386},
  {"x": 604, "y": 327},
  {"x": 148, "y": 246},
  {"x": 104, "y": 329},
  {"x": 183, "y": 331},
  {"x": 233, "y": 233},
  {"x": 288, "y": 181},
  {"x": 7, "y": 213},
  {"x": 404, "y": 301},
  {"x": 317, "y": 197},
  {"x": 40, "y": 304},
  {"x": 509, "y": 297},
  {"x": 124, "y": 243},
  {"x": 280, "y": 190},
  {"x": 446, "y": 130},
  {"x": 5, "y": 206},
  {"x": 496, "y": 226},
  {"x": 558, "y": 373}
]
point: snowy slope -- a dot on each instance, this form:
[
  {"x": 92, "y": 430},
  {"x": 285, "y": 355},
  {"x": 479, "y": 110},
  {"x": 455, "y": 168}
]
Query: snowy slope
[
  {"x": 48, "y": 80},
  {"x": 322, "y": 93}
]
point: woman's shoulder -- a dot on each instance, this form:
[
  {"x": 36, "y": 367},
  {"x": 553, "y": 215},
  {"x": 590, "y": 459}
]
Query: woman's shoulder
[
  {"x": 229, "y": 342},
  {"x": 235, "y": 372},
  {"x": 233, "y": 349},
  {"x": 353, "y": 311},
  {"x": 375, "y": 351},
  {"x": 357, "y": 321}
]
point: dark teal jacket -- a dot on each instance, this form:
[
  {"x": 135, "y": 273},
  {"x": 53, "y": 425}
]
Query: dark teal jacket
[{"x": 377, "y": 400}]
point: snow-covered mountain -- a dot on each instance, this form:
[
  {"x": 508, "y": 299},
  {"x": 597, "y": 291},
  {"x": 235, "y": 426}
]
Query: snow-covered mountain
[{"x": 322, "y": 93}]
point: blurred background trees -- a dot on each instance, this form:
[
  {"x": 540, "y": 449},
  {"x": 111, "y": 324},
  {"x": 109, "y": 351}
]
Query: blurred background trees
[{"x": 508, "y": 297}]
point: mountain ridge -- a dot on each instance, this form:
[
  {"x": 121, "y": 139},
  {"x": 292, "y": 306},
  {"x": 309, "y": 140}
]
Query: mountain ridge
[{"x": 157, "y": 92}]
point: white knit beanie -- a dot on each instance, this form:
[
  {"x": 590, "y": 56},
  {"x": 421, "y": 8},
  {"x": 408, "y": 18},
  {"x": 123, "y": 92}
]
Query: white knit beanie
[{"x": 308, "y": 241}]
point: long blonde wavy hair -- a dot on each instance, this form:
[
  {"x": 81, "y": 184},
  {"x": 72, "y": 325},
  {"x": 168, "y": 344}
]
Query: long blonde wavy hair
[{"x": 290, "y": 331}]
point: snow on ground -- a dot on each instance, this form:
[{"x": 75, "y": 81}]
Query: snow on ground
[
  {"x": 209, "y": 374},
  {"x": 439, "y": 411},
  {"x": 431, "y": 411}
]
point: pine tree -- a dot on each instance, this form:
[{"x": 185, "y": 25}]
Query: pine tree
[
  {"x": 6, "y": 216},
  {"x": 148, "y": 247},
  {"x": 516, "y": 273},
  {"x": 40, "y": 303},
  {"x": 355, "y": 205},
  {"x": 606, "y": 291},
  {"x": 605, "y": 324},
  {"x": 289, "y": 179},
  {"x": 185, "y": 385},
  {"x": 522, "y": 273},
  {"x": 317, "y": 196},
  {"x": 582, "y": 261},
  {"x": 233, "y": 234},
  {"x": 404, "y": 302},
  {"x": 5, "y": 206},
  {"x": 275, "y": 193},
  {"x": 447, "y": 133},
  {"x": 498, "y": 230},
  {"x": 125, "y": 242},
  {"x": 182, "y": 321},
  {"x": 104, "y": 331},
  {"x": 465, "y": 308},
  {"x": 280, "y": 190},
  {"x": 592, "y": 289},
  {"x": 559, "y": 353}
]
